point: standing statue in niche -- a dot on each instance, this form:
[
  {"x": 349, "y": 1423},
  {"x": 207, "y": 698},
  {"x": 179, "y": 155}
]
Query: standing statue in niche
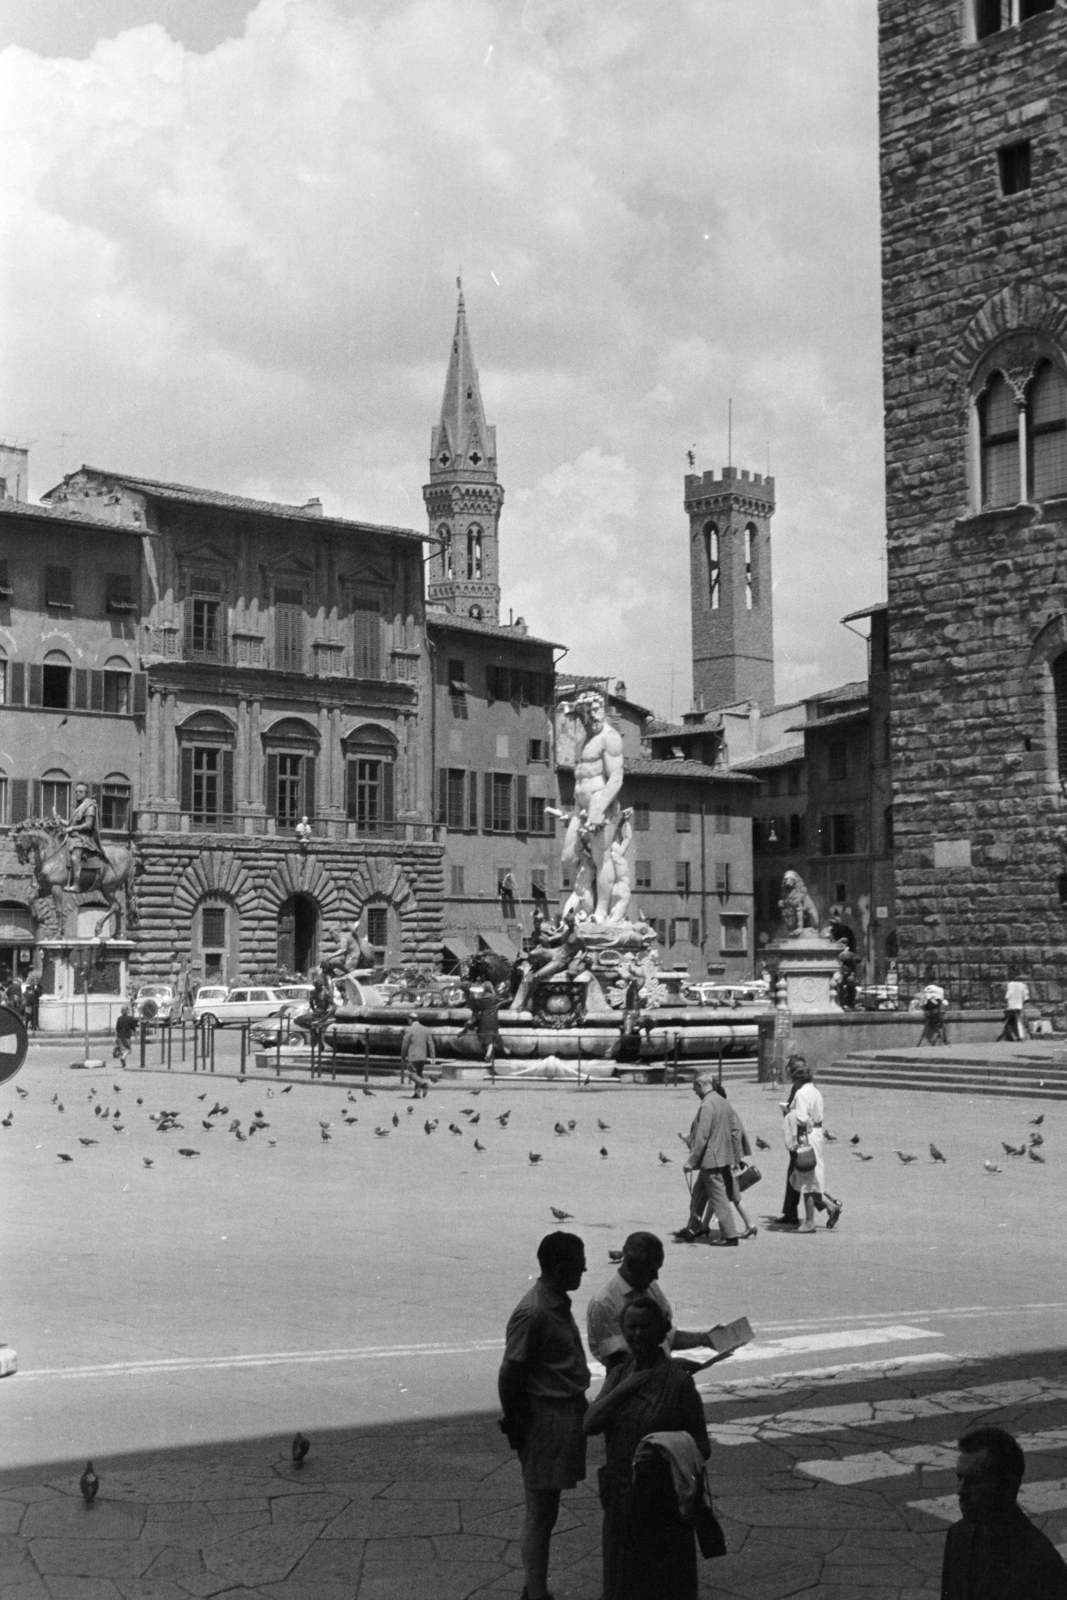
[
  {"x": 796, "y": 905},
  {"x": 598, "y": 772}
]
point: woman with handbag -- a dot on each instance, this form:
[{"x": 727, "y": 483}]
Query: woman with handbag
[
  {"x": 804, "y": 1139},
  {"x": 738, "y": 1171},
  {"x": 649, "y": 1550}
]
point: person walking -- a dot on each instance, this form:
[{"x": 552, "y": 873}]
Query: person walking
[
  {"x": 996, "y": 1551},
  {"x": 649, "y": 1551},
  {"x": 125, "y": 1028},
  {"x": 713, "y": 1151},
  {"x": 804, "y": 1137},
  {"x": 32, "y": 996},
  {"x": 542, "y": 1382},
  {"x": 416, "y": 1050},
  {"x": 637, "y": 1275},
  {"x": 796, "y": 1067},
  {"x": 1016, "y": 994},
  {"x": 741, "y": 1139}
]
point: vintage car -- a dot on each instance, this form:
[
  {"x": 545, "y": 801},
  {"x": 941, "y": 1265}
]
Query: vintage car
[{"x": 155, "y": 1002}]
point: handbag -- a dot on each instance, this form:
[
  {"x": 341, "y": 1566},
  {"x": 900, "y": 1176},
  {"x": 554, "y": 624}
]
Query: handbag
[
  {"x": 806, "y": 1159},
  {"x": 708, "y": 1529},
  {"x": 747, "y": 1176}
]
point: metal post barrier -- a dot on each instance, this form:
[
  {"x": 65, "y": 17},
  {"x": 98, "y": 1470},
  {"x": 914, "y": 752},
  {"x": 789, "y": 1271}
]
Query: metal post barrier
[
  {"x": 366, "y": 1056},
  {"x": 278, "y": 1054},
  {"x": 196, "y": 1044},
  {"x": 170, "y": 1043},
  {"x": 183, "y": 1035},
  {"x": 143, "y": 1032},
  {"x": 212, "y": 1047},
  {"x": 244, "y": 1044},
  {"x": 720, "y": 1062}
]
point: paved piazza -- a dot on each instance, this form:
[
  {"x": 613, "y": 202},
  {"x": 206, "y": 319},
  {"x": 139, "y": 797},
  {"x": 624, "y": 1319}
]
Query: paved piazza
[{"x": 178, "y": 1322}]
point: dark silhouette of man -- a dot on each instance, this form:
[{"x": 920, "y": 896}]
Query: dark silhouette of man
[{"x": 995, "y": 1552}]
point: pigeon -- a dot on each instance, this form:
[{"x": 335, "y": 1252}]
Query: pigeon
[
  {"x": 603, "y": 1152},
  {"x": 428, "y": 1127},
  {"x": 88, "y": 1483},
  {"x": 202, "y": 1096},
  {"x": 411, "y": 1111},
  {"x": 235, "y": 1125},
  {"x": 8, "y": 1120},
  {"x": 62, "y": 1157},
  {"x": 572, "y": 1125},
  {"x": 475, "y": 1091},
  {"x": 477, "y": 1117},
  {"x": 561, "y": 1129},
  {"x": 88, "y": 1142},
  {"x": 466, "y": 1111},
  {"x": 349, "y": 1122},
  {"x": 23, "y": 1094},
  {"x": 503, "y": 1118},
  {"x": 55, "y": 1097},
  {"x": 1032, "y": 1153},
  {"x": 936, "y": 1154},
  {"x": 396, "y": 1120},
  {"x": 96, "y": 1111},
  {"x": 254, "y": 1127},
  {"x": 684, "y": 1140},
  {"x": 990, "y": 1166},
  {"x": 615, "y": 1255},
  {"x": 861, "y": 1157},
  {"x": 831, "y": 1138},
  {"x": 1036, "y": 1138},
  {"x": 665, "y": 1161},
  {"x": 216, "y": 1110},
  {"x": 186, "y": 1152},
  {"x": 140, "y": 1102},
  {"x": 326, "y": 1125},
  {"x": 382, "y": 1133},
  {"x": 272, "y": 1143},
  {"x": 855, "y": 1139},
  {"x": 1035, "y": 1122},
  {"x": 453, "y": 1129},
  {"x": 242, "y": 1138},
  {"x": 479, "y": 1146},
  {"x": 369, "y": 1092},
  {"x": 561, "y": 1216},
  {"x": 603, "y": 1126},
  {"x": 324, "y": 1136},
  {"x": 270, "y": 1094},
  {"x": 59, "y": 1107},
  {"x": 534, "y": 1157},
  {"x": 147, "y": 1161},
  {"x": 761, "y": 1144},
  {"x": 288, "y": 1089},
  {"x": 904, "y": 1156},
  {"x": 299, "y": 1449},
  {"x": 1013, "y": 1150},
  {"x": 209, "y": 1126},
  {"x": 117, "y": 1087}
]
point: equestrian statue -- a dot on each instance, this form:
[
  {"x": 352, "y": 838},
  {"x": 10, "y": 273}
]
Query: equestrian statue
[{"x": 70, "y": 859}]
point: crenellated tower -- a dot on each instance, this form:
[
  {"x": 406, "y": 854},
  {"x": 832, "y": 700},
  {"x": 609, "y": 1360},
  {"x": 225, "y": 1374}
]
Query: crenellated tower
[
  {"x": 730, "y": 587},
  {"x": 463, "y": 498}
]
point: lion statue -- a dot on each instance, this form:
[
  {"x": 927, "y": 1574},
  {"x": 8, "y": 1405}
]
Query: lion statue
[{"x": 796, "y": 905}]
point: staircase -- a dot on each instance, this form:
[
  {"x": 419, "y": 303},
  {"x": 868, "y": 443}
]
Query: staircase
[{"x": 1036, "y": 1071}]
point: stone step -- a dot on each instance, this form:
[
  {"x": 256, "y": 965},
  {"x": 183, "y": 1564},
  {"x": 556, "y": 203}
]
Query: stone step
[{"x": 847, "y": 1075}]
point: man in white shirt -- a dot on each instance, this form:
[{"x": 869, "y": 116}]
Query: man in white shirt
[
  {"x": 1016, "y": 994},
  {"x": 642, "y": 1257}
]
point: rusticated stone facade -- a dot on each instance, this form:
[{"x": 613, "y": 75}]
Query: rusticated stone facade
[{"x": 974, "y": 224}]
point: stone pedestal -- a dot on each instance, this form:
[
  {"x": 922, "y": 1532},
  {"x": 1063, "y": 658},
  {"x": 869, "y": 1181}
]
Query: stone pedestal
[
  {"x": 806, "y": 962},
  {"x": 71, "y": 1005}
]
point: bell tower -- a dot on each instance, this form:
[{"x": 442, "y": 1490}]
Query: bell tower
[
  {"x": 463, "y": 498},
  {"x": 730, "y": 587}
]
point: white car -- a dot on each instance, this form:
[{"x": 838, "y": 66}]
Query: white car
[
  {"x": 207, "y": 997},
  {"x": 733, "y": 995},
  {"x": 246, "y": 1004},
  {"x": 155, "y": 1002}
]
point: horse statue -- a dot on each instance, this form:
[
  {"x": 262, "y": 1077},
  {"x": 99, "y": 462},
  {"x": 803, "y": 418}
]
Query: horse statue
[{"x": 45, "y": 846}]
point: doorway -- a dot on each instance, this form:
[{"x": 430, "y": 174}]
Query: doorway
[{"x": 298, "y": 926}]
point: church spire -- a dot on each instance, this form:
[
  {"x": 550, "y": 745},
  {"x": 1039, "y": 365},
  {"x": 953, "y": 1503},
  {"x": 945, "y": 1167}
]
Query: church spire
[{"x": 463, "y": 498}]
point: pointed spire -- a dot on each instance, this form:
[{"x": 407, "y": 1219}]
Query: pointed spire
[{"x": 462, "y": 441}]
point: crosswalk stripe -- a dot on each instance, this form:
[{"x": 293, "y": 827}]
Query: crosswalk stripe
[
  {"x": 832, "y": 1339},
  {"x": 1049, "y": 1494},
  {"x": 874, "y": 1464},
  {"x": 864, "y": 1414}
]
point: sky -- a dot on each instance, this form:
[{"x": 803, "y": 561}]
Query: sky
[{"x": 231, "y": 231}]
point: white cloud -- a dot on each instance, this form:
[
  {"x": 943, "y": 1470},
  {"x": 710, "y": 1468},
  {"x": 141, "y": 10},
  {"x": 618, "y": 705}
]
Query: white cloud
[{"x": 236, "y": 268}]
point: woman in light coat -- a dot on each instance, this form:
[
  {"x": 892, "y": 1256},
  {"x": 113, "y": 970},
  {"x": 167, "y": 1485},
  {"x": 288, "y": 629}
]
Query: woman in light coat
[{"x": 803, "y": 1126}]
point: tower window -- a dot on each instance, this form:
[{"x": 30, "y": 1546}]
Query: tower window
[
  {"x": 1059, "y": 684},
  {"x": 998, "y": 422},
  {"x": 1033, "y": 8},
  {"x": 1046, "y": 433},
  {"x": 750, "y": 567},
  {"x": 1014, "y": 163},
  {"x": 444, "y": 534},
  {"x": 711, "y": 540},
  {"x": 987, "y": 18},
  {"x": 474, "y": 551}
]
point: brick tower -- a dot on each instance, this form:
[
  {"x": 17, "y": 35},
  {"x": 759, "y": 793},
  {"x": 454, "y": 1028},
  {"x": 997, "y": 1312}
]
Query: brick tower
[
  {"x": 730, "y": 587},
  {"x": 974, "y": 273},
  {"x": 463, "y": 498}
]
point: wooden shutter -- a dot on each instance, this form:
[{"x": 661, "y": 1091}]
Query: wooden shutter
[
  {"x": 521, "y": 821},
  {"x": 37, "y": 801},
  {"x": 694, "y": 930},
  {"x": 96, "y": 691},
  {"x": 442, "y": 794},
  {"x": 226, "y": 782},
  {"x": 20, "y": 799},
  {"x": 472, "y": 799},
  {"x": 186, "y": 800},
  {"x": 140, "y": 694},
  {"x": 81, "y": 689},
  {"x": 487, "y": 806},
  {"x": 187, "y": 611},
  {"x": 388, "y": 794},
  {"x": 35, "y": 678},
  {"x": 367, "y": 638},
  {"x": 350, "y": 790},
  {"x": 16, "y": 683},
  {"x": 272, "y": 786},
  {"x": 307, "y": 767}
]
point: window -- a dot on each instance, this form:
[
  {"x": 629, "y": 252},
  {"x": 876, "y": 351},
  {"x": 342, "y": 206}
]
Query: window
[
  {"x": 796, "y": 831},
  {"x": 1013, "y": 160},
  {"x": 115, "y": 804},
  {"x": 458, "y": 688},
  {"x": 455, "y": 798},
  {"x": 498, "y": 802},
  {"x": 4, "y": 819},
  {"x": 540, "y": 821},
  {"x": 837, "y": 760},
  {"x": 643, "y": 874},
  {"x": 55, "y": 682},
  {"x": 750, "y": 567},
  {"x": 537, "y": 751},
  {"x": 366, "y": 637},
  {"x": 722, "y": 819},
  {"x": 455, "y": 881},
  {"x": 3, "y": 680},
  {"x": 840, "y": 892},
  {"x": 207, "y": 784},
  {"x": 206, "y": 768},
  {"x": 370, "y": 802},
  {"x": 681, "y": 877},
  {"x": 1046, "y": 434},
  {"x": 118, "y": 592},
  {"x": 444, "y": 534},
  {"x": 711, "y": 550},
  {"x": 378, "y": 926},
  {"x": 474, "y": 551},
  {"x": 55, "y": 795},
  {"x": 506, "y": 890},
  {"x": 6, "y": 587},
  {"x": 289, "y": 629},
  {"x": 722, "y": 879},
  {"x": 59, "y": 588},
  {"x": 683, "y": 817},
  {"x": 990, "y": 16},
  {"x": 289, "y": 789},
  {"x": 497, "y": 683},
  {"x": 733, "y": 933},
  {"x": 117, "y": 680},
  {"x": 998, "y": 422},
  {"x": 213, "y": 940},
  {"x": 642, "y": 816},
  {"x": 660, "y": 925},
  {"x": 888, "y": 825},
  {"x": 1059, "y": 686},
  {"x": 794, "y": 780},
  {"x": 539, "y": 883},
  {"x": 773, "y": 785},
  {"x": 837, "y": 834},
  {"x": 203, "y": 616}
]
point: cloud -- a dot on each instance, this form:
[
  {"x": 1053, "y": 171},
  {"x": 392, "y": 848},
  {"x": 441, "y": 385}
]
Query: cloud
[{"x": 237, "y": 268}]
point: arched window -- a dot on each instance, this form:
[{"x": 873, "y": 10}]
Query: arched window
[
  {"x": 444, "y": 534},
  {"x": 207, "y": 742},
  {"x": 474, "y": 551},
  {"x": 1059, "y": 689},
  {"x": 370, "y": 779},
  {"x": 4, "y": 818},
  {"x": 115, "y": 803},
  {"x": 55, "y": 681},
  {"x": 750, "y": 567},
  {"x": 3, "y": 678},
  {"x": 998, "y": 425},
  {"x": 291, "y": 745},
  {"x": 117, "y": 680},
  {"x": 55, "y": 793},
  {"x": 1046, "y": 433},
  {"x": 215, "y": 940},
  {"x": 711, "y": 550}
]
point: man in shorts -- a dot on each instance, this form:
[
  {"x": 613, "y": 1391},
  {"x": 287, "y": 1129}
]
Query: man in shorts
[{"x": 542, "y": 1384}]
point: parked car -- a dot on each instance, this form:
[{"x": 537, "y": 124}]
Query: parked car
[
  {"x": 207, "y": 997},
  {"x": 155, "y": 1002},
  {"x": 729, "y": 994},
  {"x": 249, "y": 1003}
]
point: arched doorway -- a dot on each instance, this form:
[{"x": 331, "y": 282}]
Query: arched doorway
[{"x": 298, "y": 926}]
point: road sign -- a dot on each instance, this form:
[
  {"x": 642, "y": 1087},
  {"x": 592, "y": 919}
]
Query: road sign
[{"x": 14, "y": 1043}]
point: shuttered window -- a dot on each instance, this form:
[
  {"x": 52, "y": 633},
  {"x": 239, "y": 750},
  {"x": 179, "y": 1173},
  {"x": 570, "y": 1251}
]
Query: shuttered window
[
  {"x": 370, "y": 794},
  {"x": 366, "y": 638},
  {"x": 16, "y": 683},
  {"x": 59, "y": 588},
  {"x": 521, "y": 810},
  {"x": 289, "y": 630},
  {"x": 207, "y": 784}
]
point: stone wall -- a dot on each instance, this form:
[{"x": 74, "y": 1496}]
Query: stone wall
[
  {"x": 256, "y": 874},
  {"x": 977, "y": 797}
]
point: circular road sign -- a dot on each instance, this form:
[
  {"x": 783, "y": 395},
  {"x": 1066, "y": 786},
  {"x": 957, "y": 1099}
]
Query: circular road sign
[{"x": 14, "y": 1043}]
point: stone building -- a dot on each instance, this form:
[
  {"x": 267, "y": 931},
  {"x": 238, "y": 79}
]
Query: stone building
[
  {"x": 281, "y": 663},
  {"x": 974, "y": 224},
  {"x": 730, "y": 587}
]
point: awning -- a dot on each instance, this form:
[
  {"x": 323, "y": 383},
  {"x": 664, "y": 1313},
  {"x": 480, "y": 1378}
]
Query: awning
[
  {"x": 498, "y": 943},
  {"x": 456, "y": 948}
]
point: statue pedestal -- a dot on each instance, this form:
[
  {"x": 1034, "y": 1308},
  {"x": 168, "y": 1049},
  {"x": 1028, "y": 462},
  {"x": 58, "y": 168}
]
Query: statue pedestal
[
  {"x": 807, "y": 963},
  {"x": 85, "y": 984}
]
